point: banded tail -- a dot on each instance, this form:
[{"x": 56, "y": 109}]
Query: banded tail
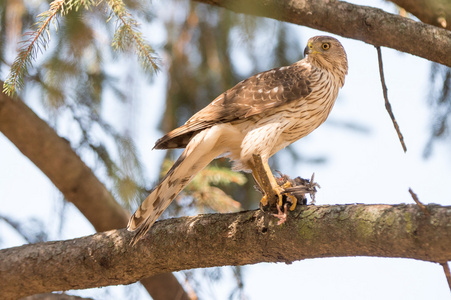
[{"x": 200, "y": 151}]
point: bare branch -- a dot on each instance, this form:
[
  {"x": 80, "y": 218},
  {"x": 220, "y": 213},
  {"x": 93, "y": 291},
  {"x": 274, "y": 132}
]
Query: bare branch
[
  {"x": 227, "y": 239},
  {"x": 387, "y": 103},
  {"x": 371, "y": 25}
]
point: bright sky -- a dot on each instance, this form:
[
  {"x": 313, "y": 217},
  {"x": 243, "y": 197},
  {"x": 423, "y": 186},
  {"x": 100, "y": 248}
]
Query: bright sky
[{"x": 361, "y": 168}]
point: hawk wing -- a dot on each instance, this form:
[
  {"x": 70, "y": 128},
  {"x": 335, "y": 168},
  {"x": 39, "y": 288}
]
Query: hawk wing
[{"x": 252, "y": 96}]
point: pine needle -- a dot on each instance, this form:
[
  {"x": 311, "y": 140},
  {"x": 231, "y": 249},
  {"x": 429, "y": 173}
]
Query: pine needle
[
  {"x": 30, "y": 47},
  {"x": 128, "y": 36}
]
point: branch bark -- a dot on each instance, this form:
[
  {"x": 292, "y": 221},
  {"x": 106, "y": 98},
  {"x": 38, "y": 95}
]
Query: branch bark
[
  {"x": 56, "y": 159},
  {"x": 434, "y": 12},
  {"x": 228, "y": 239},
  {"x": 371, "y": 25}
]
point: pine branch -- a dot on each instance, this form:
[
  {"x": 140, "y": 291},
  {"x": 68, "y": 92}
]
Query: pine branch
[
  {"x": 30, "y": 47},
  {"x": 128, "y": 36}
]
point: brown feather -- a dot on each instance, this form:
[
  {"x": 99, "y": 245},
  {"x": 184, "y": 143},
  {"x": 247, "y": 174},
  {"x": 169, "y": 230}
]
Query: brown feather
[{"x": 252, "y": 96}]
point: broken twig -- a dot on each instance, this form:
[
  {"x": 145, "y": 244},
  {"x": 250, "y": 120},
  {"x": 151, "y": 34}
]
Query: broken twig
[
  {"x": 417, "y": 201},
  {"x": 387, "y": 103},
  {"x": 447, "y": 273}
]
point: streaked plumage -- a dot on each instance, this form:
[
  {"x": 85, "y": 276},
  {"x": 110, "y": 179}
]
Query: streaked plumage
[{"x": 260, "y": 115}]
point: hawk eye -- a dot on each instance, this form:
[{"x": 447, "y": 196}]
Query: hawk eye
[{"x": 325, "y": 46}]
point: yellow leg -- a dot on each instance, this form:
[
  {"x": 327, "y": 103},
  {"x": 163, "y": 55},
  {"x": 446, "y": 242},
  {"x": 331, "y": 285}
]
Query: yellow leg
[
  {"x": 255, "y": 174},
  {"x": 276, "y": 189},
  {"x": 265, "y": 179},
  {"x": 293, "y": 199},
  {"x": 268, "y": 184}
]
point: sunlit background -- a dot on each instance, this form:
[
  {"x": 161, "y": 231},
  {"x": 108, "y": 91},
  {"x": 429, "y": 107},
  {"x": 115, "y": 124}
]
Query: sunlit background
[{"x": 361, "y": 161}]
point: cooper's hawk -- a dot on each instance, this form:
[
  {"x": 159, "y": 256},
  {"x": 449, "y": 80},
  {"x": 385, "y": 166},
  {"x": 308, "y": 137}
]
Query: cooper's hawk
[{"x": 260, "y": 115}]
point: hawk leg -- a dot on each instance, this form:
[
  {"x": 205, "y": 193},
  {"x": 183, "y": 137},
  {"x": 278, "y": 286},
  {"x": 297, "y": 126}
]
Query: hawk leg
[
  {"x": 265, "y": 179},
  {"x": 268, "y": 184}
]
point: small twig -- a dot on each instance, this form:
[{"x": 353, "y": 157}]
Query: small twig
[
  {"x": 417, "y": 201},
  {"x": 387, "y": 103},
  {"x": 447, "y": 273}
]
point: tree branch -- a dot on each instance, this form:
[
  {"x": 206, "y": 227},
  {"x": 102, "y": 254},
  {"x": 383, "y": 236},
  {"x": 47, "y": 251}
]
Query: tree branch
[
  {"x": 56, "y": 159},
  {"x": 371, "y": 25},
  {"x": 228, "y": 239},
  {"x": 434, "y": 12}
]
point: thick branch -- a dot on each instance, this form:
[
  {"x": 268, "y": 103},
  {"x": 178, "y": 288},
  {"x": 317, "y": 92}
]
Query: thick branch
[
  {"x": 368, "y": 24},
  {"x": 54, "y": 156},
  {"x": 434, "y": 12},
  {"x": 228, "y": 239}
]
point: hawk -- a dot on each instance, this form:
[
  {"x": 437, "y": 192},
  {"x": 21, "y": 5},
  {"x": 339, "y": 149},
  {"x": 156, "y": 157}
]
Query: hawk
[{"x": 259, "y": 116}]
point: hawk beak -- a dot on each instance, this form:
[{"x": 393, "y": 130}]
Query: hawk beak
[{"x": 306, "y": 51}]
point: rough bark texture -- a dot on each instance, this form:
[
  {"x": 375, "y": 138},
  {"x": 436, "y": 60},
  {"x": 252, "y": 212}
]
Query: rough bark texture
[
  {"x": 228, "y": 239},
  {"x": 368, "y": 24},
  {"x": 434, "y": 12},
  {"x": 55, "y": 157}
]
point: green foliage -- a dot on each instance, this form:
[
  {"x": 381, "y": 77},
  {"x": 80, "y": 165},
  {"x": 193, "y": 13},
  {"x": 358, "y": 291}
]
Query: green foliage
[
  {"x": 127, "y": 37},
  {"x": 36, "y": 41}
]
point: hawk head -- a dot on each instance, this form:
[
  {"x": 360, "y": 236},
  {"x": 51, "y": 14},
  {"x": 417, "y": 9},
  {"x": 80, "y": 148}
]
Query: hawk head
[{"x": 327, "y": 53}]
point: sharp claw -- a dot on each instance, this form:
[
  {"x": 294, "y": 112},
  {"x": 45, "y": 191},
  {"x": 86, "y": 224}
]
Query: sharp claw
[{"x": 282, "y": 216}]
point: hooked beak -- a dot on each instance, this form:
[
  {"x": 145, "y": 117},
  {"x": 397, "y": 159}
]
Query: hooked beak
[{"x": 308, "y": 49}]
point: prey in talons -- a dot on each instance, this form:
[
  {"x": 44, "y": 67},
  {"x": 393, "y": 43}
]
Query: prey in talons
[{"x": 282, "y": 193}]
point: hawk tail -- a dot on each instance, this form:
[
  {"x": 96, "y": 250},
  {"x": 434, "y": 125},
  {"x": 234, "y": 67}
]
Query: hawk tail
[{"x": 197, "y": 155}]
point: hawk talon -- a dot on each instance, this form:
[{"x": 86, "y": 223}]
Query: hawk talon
[
  {"x": 290, "y": 197},
  {"x": 282, "y": 216}
]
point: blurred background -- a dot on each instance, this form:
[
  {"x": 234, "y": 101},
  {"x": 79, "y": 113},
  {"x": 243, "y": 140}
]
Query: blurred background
[{"x": 112, "y": 110}]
